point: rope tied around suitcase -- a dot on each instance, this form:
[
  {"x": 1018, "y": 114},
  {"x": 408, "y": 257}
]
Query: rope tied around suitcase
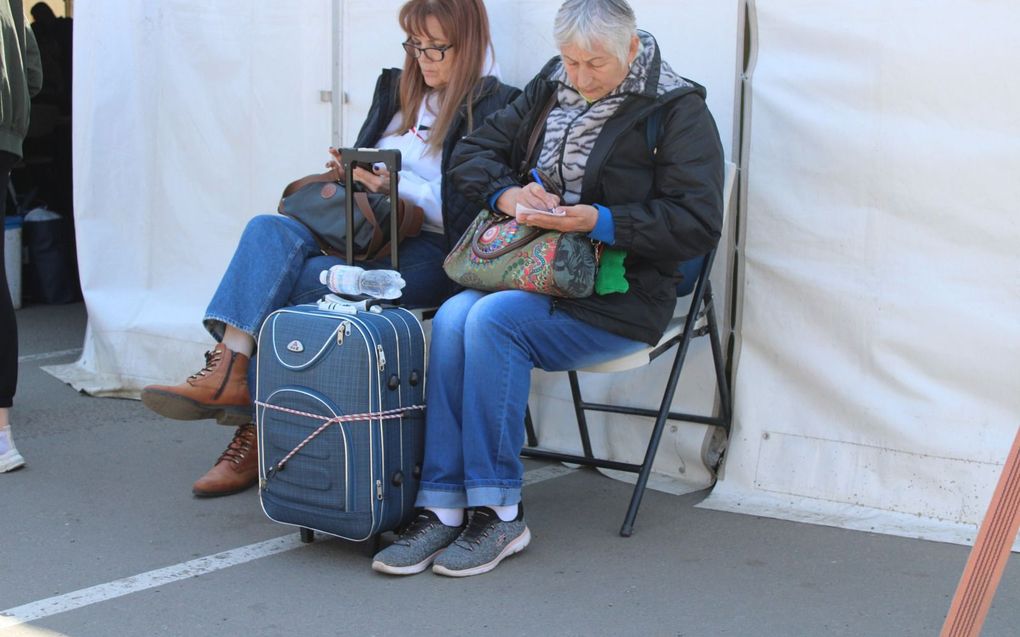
[{"x": 388, "y": 414}]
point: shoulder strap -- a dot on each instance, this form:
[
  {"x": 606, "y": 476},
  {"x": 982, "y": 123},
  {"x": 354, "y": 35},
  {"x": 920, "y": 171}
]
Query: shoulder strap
[{"x": 536, "y": 132}]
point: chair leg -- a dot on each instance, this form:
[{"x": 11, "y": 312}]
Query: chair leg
[
  {"x": 646, "y": 469},
  {"x": 529, "y": 427},
  {"x": 582, "y": 421},
  {"x": 653, "y": 443},
  {"x": 722, "y": 383}
]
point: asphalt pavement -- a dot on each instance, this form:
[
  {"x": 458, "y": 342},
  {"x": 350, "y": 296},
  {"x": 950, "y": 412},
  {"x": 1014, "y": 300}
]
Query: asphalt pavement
[{"x": 100, "y": 536}]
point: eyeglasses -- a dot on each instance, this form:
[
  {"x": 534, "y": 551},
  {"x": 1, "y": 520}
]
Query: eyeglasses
[{"x": 432, "y": 53}]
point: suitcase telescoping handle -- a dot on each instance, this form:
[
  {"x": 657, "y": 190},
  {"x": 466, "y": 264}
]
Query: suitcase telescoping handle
[{"x": 366, "y": 157}]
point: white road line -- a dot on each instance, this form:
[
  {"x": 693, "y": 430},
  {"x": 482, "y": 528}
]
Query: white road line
[
  {"x": 118, "y": 588},
  {"x": 28, "y": 358},
  {"x": 193, "y": 568}
]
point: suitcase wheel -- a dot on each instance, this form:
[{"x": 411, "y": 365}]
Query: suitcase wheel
[
  {"x": 307, "y": 535},
  {"x": 393, "y": 383},
  {"x": 398, "y": 478},
  {"x": 415, "y": 377}
]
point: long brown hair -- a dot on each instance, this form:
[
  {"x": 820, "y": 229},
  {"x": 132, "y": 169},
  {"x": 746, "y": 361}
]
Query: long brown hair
[{"x": 466, "y": 25}]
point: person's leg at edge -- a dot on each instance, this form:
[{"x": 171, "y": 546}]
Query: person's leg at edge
[
  {"x": 507, "y": 334},
  {"x": 10, "y": 458},
  {"x": 441, "y": 494}
]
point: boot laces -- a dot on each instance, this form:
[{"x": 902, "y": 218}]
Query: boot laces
[
  {"x": 240, "y": 446},
  {"x": 212, "y": 360}
]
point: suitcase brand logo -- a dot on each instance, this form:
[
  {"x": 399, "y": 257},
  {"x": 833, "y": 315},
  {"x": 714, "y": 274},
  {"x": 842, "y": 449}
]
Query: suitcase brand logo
[{"x": 296, "y": 346}]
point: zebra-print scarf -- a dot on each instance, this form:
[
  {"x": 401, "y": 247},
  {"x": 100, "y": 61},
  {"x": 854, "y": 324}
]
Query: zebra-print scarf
[{"x": 574, "y": 124}]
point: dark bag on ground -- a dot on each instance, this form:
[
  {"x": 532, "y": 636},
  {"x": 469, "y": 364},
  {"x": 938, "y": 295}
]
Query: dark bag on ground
[
  {"x": 317, "y": 201},
  {"x": 51, "y": 269}
]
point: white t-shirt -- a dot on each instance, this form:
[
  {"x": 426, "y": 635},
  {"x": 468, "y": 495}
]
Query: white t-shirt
[{"x": 421, "y": 172}]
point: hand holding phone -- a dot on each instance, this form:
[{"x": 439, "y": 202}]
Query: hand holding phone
[{"x": 374, "y": 178}]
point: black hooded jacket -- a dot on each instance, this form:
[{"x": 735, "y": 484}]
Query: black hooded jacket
[
  {"x": 458, "y": 212},
  {"x": 666, "y": 205}
]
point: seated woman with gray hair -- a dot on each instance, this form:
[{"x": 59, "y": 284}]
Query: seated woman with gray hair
[{"x": 636, "y": 154}]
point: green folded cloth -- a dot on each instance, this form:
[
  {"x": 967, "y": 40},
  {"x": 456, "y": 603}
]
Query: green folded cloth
[{"x": 610, "y": 278}]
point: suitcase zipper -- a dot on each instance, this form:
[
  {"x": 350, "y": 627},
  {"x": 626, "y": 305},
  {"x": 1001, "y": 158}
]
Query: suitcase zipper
[
  {"x": 342, "y": 332},
  {"x": 381, "y": 356},
  {"x": 378, "y": 490}
]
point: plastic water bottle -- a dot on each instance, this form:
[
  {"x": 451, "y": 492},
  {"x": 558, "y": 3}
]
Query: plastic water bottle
[{"x": 352, "y": 280}]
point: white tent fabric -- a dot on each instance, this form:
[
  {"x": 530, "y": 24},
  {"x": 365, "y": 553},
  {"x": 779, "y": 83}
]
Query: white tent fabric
[
  {"x": 877, "y": 385},
  {"x": 190, "y": 116}
]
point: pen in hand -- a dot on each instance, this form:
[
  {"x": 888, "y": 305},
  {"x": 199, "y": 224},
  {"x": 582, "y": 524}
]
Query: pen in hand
[
  {"x": 547, "y": 206},
  {"x": 537, "y": 177}
]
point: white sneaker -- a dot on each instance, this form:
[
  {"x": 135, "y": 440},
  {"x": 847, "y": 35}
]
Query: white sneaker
[{"x": 10, "y": 459}]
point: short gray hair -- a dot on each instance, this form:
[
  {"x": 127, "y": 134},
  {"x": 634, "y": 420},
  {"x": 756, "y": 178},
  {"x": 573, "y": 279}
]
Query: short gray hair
[{"x": 611, "y": 23}]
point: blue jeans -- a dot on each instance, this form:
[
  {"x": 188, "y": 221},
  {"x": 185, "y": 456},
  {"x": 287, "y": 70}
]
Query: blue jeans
[
  {"x": 484, "y": 346},
  {"x": 277, "y": 264}
]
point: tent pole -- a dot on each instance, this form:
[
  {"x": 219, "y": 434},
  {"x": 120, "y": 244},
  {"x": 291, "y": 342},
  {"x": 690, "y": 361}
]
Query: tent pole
[{"x": 338, "y": 95}]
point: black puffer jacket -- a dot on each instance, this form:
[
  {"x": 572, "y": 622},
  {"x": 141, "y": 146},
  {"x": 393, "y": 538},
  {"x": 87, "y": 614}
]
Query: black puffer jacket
[
  {"x": 458, "y": 212},
  {"x": 666, "y": 207}
]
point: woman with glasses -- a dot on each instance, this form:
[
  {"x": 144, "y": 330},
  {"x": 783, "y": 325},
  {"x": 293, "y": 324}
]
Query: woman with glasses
[{"x": 445, "y": 90}]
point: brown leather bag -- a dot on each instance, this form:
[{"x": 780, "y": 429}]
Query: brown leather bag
[{"x": 317, "y": 201}]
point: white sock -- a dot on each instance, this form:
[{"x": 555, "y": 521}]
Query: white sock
[
  {"x": 507, "y": 513},
  {"x": 449, "y": 517}
]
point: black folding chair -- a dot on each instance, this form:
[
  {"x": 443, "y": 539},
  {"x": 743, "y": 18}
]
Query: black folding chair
[{"x": 700, "y": 320}]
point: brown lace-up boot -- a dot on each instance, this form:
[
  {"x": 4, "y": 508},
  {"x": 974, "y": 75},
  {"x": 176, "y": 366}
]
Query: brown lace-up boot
[
  {"x": 219, "y": 390},
  {"x": 237, "y": 468}
]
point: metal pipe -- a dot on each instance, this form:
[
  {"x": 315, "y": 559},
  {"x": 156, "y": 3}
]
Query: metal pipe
[{"x": 337, "y": 84}]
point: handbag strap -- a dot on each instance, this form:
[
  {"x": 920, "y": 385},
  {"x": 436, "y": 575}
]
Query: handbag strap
[
  {"x": 333, "y": 174},
  {"x": 365, "y": 206},
  {"x": 536, "y": 132},
  {"x": 409, "y": 220}
]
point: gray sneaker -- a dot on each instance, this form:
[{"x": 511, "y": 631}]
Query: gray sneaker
[
  {"x": 485, "y": 542},
  {"x": 414, "y": 550}
]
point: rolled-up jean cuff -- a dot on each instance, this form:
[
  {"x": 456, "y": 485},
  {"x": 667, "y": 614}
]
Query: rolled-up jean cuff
[
  {"x": 493, "y": 496},
  {"x": 441, "y": 496}
]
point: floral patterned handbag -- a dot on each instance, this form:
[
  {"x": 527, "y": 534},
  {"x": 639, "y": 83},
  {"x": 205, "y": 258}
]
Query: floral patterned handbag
[{"x": 496, "y": 253}]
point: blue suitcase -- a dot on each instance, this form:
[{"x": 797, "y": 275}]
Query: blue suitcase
[
  {"x": 339, "y": 404},
  {"x": 357, "y": 477}
]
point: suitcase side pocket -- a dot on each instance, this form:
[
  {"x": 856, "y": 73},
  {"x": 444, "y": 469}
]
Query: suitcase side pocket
[{"x": 319, "y": 475}]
